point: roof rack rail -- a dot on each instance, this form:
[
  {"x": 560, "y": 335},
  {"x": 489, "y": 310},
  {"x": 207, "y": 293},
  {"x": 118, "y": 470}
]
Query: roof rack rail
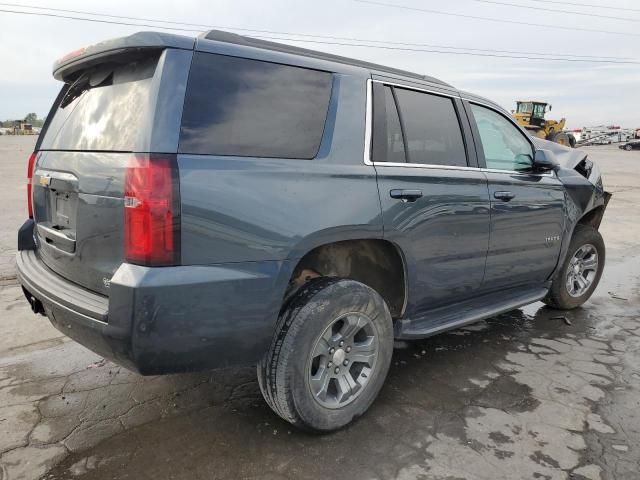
[{"x": 228, "y": 37}]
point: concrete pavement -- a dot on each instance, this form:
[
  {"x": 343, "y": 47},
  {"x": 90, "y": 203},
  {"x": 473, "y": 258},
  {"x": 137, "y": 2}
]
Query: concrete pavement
[{"x": 534, "y": 393}]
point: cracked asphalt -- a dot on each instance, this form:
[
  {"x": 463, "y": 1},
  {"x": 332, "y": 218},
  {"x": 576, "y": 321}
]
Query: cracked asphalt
[{"x": 533, "y": 394}]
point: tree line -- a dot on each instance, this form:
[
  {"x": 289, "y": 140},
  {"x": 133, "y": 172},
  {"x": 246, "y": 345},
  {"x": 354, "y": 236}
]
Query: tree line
[{"x": 31, "y": 118}]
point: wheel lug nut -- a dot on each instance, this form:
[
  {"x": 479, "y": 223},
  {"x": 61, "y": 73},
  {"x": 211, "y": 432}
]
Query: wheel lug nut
[
  {"x": 330, "y": 364},
  {"x": 345, "y": 363},
  {"x": 332, "y": 350},
  {"x": 348, "y": 349},
  {"x": 341, "y": 343},
  {"x": 337, "y": 370}
]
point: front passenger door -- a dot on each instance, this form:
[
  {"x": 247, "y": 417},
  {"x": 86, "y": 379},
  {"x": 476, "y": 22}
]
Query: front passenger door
[{"x": 527, "y": 208}]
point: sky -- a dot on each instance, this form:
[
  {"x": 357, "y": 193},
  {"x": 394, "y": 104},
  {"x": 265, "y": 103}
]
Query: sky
[{"x": 586, "y": 94}]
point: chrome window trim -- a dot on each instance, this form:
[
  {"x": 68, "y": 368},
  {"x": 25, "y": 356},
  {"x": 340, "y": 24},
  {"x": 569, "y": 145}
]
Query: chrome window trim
[
  {"x": 368, "y": 121},
  {"x": 424, "y": 165},
  {"x": 516, "y": 172},
  {"x": 368, "y": 126},
  {"x": 484, "y": 104},
  {"x": 453, "y": 167},
  {"x": 418, "y": 89},
  {"x": 509, "y": 119}
]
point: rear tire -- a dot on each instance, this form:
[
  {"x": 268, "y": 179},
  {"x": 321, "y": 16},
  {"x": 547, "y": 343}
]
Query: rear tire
[
  {"x": 300, "y": 377},
  {"x": 572, "y": 140},
  {"x": 580, "y": 273}
]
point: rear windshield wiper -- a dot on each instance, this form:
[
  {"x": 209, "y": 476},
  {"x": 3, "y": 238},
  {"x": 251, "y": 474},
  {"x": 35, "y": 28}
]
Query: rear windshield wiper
[
  {"x": 75, "y": 90},
  {"x": 84, "y": 82}
]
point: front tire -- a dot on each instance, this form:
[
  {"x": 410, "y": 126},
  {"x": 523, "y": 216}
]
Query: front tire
[
  {"x": 575, "y": 282},
  {"x": 628, "y": 148},
  {"x": 330, "y": 355}
]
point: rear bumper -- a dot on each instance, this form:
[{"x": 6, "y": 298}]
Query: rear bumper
[{"x": 167, "y": 319}]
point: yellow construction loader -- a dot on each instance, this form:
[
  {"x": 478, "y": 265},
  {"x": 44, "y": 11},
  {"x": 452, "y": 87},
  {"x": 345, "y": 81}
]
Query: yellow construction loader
[{"x": 530, "y": 115}]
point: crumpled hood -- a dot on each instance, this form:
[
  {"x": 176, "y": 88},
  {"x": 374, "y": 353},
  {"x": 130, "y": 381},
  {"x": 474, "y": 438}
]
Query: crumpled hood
[{"x": 568, "y": 157}]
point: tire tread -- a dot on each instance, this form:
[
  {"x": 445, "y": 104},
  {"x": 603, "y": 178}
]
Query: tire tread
[
  {"x": 557, "y": 297},
  {"x": 270, "y": 379}
]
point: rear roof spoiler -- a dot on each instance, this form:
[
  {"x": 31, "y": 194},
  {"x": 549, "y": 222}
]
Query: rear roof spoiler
[{"x": 65, "y": 67}]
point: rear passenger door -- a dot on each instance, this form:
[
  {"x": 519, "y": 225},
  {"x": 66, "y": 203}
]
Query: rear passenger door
[
  {"x": 527, "y": 207},
  {"x": 435, "y": 202}
]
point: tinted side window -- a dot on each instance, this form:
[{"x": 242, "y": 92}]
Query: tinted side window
[
  {"x": 388, "y": 144},
  {"x": 504, "y": 146},
  {"x": 237, "y": 106},
  {"x": 431, "y": 129}
]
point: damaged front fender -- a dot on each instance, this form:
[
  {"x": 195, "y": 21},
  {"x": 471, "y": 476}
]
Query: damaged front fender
[{"x": 586, "y": 199}]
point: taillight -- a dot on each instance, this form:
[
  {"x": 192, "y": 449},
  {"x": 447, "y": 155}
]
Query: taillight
[
  {"x": 30, "y": 166},
  {"x": 152, "y": 210}
]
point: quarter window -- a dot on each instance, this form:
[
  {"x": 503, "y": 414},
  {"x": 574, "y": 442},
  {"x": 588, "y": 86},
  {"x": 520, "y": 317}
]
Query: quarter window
[
  {"x": 388, "y": 143},
  {"x": 504, "y": 146},
  {"x": 431, "y": 129},
  {"x": 242, "y": 107}
]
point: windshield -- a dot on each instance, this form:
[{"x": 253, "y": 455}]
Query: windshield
[
  {"x": 538, "y": 110},
  {"x": 104, "y": 109},
  {"x": 525, "y": 107}
]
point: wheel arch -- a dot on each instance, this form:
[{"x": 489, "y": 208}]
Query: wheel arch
[
  {"x": 376, "y": 262},
  {"x": 583, "y": 208},
  {"x": 593, "y": 217}
]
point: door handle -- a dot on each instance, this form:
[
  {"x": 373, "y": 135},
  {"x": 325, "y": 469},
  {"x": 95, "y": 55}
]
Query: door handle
[
  {"x": 405, "y": 195},
  {"x": 56, "y": 238},
  {"x": 506, "y": 196}
]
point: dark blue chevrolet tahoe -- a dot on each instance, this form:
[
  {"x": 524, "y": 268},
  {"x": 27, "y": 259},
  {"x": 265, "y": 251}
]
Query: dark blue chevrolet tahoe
[{"x": 201, "y": 203}]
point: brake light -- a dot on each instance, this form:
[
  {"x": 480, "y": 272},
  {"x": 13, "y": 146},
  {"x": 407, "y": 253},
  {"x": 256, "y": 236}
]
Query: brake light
[
  {"x": 70, "y": 55},
  {"x": 30, "y": 166},
  {"x": 152, "y": 210}
]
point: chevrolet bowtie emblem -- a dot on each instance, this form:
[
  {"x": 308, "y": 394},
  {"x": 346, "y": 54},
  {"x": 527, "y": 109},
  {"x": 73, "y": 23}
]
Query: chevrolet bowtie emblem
[{"x": 45, "y": 180}]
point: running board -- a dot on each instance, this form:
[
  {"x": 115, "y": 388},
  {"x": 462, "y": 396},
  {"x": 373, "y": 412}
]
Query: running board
[{"x": 469, "y": 311}]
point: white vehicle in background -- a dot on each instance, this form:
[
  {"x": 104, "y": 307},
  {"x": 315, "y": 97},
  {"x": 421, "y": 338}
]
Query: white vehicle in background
[
  {"x": 603, "y": 140},
  {"x": 603, "y": 135}
]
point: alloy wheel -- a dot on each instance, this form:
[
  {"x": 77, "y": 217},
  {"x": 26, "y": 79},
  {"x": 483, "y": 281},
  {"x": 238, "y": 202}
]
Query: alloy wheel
[
  {"x": 582, "y": 270},
  {"x": 343, "y": 360}
]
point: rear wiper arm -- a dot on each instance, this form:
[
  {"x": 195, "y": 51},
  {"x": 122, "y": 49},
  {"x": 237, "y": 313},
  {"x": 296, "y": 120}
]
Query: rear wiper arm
[
  {"x": 87, "y": 81},
  {"x": 75, "y": 90}
]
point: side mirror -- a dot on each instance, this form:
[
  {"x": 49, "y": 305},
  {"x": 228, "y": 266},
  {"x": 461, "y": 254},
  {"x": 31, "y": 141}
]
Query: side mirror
[
  {"x": 550, "y": 107},
  {"x": 544, "y": 161}
]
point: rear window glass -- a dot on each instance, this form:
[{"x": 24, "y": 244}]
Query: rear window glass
[
  {"x": 431, "y": 129},
  {"x": 241, "y": 107},
  {"x": 106, "y": 110}
]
